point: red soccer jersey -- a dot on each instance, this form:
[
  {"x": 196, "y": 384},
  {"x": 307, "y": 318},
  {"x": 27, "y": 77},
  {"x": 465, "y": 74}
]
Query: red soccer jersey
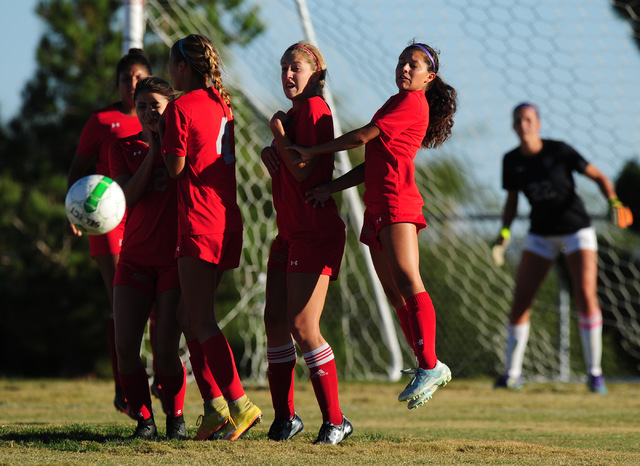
[
  {"x": 103, "y": 127},
  {"x": 309, "y": 125},
  {"x": 150, "y": 234},
  {"x": 199, "y": 126},
  {"x": 390, "y": 184}
]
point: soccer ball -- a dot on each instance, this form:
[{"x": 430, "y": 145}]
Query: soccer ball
[{"x": 95, "y": 204}]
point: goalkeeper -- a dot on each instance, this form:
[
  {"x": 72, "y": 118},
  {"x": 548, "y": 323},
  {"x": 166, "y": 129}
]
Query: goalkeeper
[{"x": 543, "y": 170}]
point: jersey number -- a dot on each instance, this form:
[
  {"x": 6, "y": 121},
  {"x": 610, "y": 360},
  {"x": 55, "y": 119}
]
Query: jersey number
[{"x": 223, "y": 144}]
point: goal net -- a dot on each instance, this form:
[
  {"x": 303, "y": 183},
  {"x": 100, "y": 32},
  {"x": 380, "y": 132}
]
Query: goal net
[{"x": 576, "y": 59}]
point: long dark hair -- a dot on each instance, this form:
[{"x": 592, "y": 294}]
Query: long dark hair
[
  {"x": 155, "y": 85},
  {"x": 442, "y": 100}
]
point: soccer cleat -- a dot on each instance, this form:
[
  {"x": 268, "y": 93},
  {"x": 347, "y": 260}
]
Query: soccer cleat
[
  {"x": 156, "y": 390},
  {"x": 425, "y": 380},
  {"x": 176, "y": 428},
  {"x": 215, "y": 418},
  {"x": 422, "y": 399},
  {"x": 146, "y": 430},
  {"x": 596, "y": 384},
  {"x": 332, "y": 434},
  {"x": 120, "y": 403},
  {"x": 244, "y": 415},
  {"x": 284, "y": 429},
  {"x": 510, "y": 383}
]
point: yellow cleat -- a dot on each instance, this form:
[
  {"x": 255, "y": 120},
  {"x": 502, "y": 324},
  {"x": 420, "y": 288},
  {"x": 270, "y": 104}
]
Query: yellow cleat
[
  {"x": 216, "y": 417},
  {"x": 244, "y": 415}
]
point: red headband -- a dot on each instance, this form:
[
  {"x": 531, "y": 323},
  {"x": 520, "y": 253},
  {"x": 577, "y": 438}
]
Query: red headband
[{"x": 312, "y": 54}]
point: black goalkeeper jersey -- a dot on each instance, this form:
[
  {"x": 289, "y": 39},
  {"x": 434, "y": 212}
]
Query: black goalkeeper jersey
[{"x": 546, "y": 178}]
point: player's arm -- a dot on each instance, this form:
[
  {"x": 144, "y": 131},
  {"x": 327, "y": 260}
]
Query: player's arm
[
  {"x": 320, "y": 194},
  {"x": 508, "y": 215},
  {"x": 299, "y": 171},
  {"x": 175, "y": 165},
  {"x": 603, "y": 182},
  {"x": 347, "y": 141}
]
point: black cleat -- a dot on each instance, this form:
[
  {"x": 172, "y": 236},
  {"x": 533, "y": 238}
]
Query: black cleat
[
  {"x": 334, "y": 434},
  {"x": 284, "y": 429},
  {"x": 146, "y": 430},
  {"x": 176, "y": 428}
]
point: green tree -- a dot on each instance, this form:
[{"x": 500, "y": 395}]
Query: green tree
[{"x": 52, "y": 293}]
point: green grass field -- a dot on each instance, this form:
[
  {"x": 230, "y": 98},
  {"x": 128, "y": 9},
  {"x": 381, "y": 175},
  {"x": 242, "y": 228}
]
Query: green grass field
[{"x": 62, "y": 421}]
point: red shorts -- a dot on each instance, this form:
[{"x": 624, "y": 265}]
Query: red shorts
[
  {"x": 150, "y": 279},
  {"x": 321, "y": 256},
  {"x": 108, "y": 244},
  {"x": 374, "y": 222},
  {"x": 224, "y": 250}
]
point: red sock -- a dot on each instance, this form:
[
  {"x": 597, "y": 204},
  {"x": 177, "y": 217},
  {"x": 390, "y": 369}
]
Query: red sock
[
  {"x": 136, "y": 389},
  {"x": 113, "y": 355},
  {"x": 204, "y": 378},
  {"x": 324, "y": 378},
  {"x": 174, "y": 388},
  {"x": 422, "y": 317},
  {"x": 405, "y": 324},
  {"x": 281, "y": 372},
  {"x": 220, "y": 360}
]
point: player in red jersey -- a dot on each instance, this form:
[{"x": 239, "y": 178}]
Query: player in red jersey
[
  {"x": 199, "y": 150},
  {"x": 103, "y": 127},
  {"x": 307, "y": 252},
  {"x": 420, "y": 115},
  {"x": 147, "y": 272},
  {"x": 542, "y": 169}
]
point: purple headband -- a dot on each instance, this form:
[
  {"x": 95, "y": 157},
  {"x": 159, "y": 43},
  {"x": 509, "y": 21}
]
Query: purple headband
[{"x": 424, "y": 49}]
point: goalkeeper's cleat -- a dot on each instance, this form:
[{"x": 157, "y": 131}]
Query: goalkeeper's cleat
[
  {"x": 510, "y": 383},
  {"x": 121, "y": 404},
  {"x": 146, "y": 430},
  {"x": 244, "y": 415},
  {"x": 284, "y": 429},
  {"x": 215, "y": 418},
  {"x": 596, "y": 384},
  {"x": 619, "y": 214},
  {"x": 332, "y": 434},
  {"x": 156, "y": 390},
  {"x": 424, "y": 380},
  {"x": 176, "y": 428}
]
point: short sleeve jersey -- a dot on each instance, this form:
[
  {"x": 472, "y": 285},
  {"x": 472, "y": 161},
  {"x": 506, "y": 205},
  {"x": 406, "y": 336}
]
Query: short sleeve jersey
[
  {"x": 308, "y": 125},
  {"x": 150, "y": 234},
  {"x": 546, "y": 179},
  {"x": 200, "y": 127},
  {"x": 103, "y": 127},
  {"x": 390, "y": 184}
]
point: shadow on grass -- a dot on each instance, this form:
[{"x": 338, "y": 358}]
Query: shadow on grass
[{"x": 62, "y": 435}]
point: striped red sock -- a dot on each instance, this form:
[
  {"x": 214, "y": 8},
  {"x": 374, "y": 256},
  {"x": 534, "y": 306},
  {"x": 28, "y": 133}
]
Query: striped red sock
[
  {"x": 422, "y": 317},
  {"x": 204, "y": 378},
  {"x": 220, "y": 360},
  {"x": 281, "y": 372},
  {"x": 324, "y": 378},
  {"x": 136, "y": 389},
  {"x": 174, "y": 388}
]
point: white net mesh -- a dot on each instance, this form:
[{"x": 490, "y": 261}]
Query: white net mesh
[{"x": 575, "y": 58}]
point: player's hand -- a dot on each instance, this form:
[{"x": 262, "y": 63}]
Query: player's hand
[
  {"x": 270, "y": 159},
  {"x": 619, "y": 214},
  {"x": 304, "y": 155},
  {"x": 319, "y": 195},
  {"x": 499, "y": 246},
  {"x": 71, "y": 229}
]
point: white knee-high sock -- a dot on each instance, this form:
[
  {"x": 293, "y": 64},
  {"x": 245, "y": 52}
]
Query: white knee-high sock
[
  {"x": 591, "y": 337},
  {"x": 517, "y": 338}
]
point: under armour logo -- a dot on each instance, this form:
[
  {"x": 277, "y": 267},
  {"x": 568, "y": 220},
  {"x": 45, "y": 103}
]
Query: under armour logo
[
  {"x": 137, "y": 152},
  {"x": 294, "y": 263},
  {"x": 115, "y": 125},
  {"x": 379, "y": 220}
]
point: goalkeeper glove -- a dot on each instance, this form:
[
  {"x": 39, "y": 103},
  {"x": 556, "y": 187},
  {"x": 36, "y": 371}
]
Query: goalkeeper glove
[
  {"x": 499, "y": 246},
  {"x": 619, "y": 214}
]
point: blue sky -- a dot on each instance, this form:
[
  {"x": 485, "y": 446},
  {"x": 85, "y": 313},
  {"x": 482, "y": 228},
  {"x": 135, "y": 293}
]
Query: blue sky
[{"x": 20, "y": 31}]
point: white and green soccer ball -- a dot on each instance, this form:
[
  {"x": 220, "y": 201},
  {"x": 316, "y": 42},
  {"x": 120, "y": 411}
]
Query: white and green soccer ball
[{"x": 95, "y": 204}]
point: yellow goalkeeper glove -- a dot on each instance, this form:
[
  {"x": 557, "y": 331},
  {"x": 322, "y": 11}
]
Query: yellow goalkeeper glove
[{"x": 499, "y": 246}]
